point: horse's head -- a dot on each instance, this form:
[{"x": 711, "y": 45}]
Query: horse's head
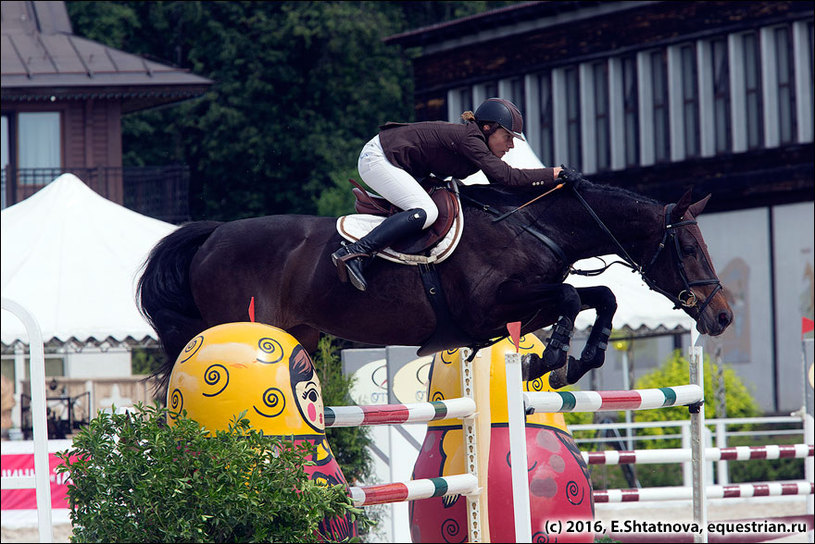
[{"x": 682, "y": 270}]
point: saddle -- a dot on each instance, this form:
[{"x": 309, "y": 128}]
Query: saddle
[{"x": 442, "y": 195}]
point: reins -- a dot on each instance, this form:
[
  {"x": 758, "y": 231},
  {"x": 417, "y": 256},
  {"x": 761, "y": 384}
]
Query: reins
[
  {"x": 522, "y": 206},
  {"x": 668, "y": 235}
]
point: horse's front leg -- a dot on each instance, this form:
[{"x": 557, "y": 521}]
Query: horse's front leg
[
  {"x": 594, "y": 354},
  {"x": 565, "y": 299}
]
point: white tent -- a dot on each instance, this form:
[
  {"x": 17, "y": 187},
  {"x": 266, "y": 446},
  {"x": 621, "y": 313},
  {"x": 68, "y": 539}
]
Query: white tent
[
  {"x": 639, "y": 310},
  {"x": 70, "y": 257}
]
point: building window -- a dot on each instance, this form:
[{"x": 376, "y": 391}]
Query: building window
[
  {"x": 517, "y": 94},
  {"x": 631, "y": 111},
  {"x": 721, "y": 95},
  {"x": 787, "y": 127},
  {"x": 4, "y": 143},
  {"x": 752, "y": 88},
  {"x": 491, "y": 89},
  {"x": 659, "y": 105},
  {"x": 465, "y": 97},
  {"x": 38, "y": 143},
  {"x": 601, "y": 119},
  {"x": 547, "y": 120},
  {"x": 573, "y": 118},
  {"x": 808, "y": 65},
  {"x": 690, "y": 100}
]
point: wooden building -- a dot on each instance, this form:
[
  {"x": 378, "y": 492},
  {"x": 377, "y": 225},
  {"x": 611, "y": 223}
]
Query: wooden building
[
  {"x": 63, "y": 98},
  {"x": 657, "y": 97}
]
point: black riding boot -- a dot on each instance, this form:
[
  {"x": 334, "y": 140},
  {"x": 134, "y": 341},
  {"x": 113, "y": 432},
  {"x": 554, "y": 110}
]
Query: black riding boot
[{"x": 351, "y": 259}]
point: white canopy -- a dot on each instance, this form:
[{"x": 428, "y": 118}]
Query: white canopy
[
  {"x": 639, "y": 309},
  {"x": 71, "y": 257}
]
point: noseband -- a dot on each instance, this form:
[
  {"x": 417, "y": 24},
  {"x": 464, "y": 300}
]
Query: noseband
[{"x": 686, "y": 297}]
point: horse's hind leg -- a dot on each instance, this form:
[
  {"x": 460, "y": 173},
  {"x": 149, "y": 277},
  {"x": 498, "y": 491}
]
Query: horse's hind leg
[
  {"x": 594, "y": 354},
  {"x": 307, "y": 336},
  {"x": 557, "y": 345}
]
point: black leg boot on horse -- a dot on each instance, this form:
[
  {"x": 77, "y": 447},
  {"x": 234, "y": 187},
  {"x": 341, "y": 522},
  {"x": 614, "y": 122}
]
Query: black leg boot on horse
[
  {"x": 351, "y": 259},
  {"x": 594, "y": 353}
]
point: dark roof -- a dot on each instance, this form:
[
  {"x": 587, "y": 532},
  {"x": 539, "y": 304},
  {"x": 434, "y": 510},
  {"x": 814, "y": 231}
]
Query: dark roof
[
  {"x": 41, "y": 58},
  {"x": 487, "y": 20}
]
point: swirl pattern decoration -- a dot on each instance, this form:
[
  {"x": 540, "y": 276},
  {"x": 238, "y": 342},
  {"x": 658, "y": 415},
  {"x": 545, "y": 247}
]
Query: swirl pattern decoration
[{"x": 213, "y": 376}]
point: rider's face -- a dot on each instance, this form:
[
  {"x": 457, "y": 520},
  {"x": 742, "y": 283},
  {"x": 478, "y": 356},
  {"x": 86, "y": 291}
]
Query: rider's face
[{"x": 500, "y": 142}]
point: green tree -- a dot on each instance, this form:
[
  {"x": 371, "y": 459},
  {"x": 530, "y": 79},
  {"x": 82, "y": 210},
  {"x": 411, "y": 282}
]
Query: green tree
[{"x": 299, "y": 88}]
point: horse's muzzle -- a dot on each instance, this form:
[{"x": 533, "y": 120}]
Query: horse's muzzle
[{"x": 715, "y": 320}]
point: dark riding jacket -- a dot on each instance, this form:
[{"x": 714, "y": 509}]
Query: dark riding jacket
[{"x": 452, "y": 149}]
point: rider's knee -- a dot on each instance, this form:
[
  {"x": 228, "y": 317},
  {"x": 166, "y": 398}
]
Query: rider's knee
[{"x": 432, "y": 213}]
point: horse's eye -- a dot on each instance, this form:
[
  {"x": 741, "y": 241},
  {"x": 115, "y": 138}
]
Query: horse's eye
[{"x": 689, "y": 251}]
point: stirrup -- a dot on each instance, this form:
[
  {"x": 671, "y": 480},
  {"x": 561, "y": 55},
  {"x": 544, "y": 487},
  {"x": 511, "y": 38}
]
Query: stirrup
[{"x": 342, "y": 259}]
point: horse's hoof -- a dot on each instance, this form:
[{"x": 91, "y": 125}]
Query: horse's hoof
[
  {"x": 557, "y": 379},
  {"x": 533, "y": 366},
  {"x": 577, "y": 368}
]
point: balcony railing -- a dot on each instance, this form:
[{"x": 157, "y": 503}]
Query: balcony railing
[{"x": 161, "y": 192}]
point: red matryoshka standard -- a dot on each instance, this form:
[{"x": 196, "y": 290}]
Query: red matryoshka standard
[
  {"x": 264, "y": 370},
  {"x": 559, "y": 482}
]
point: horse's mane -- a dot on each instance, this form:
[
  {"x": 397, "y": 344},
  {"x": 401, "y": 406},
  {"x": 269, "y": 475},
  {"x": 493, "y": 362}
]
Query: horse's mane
[{"x": 502, "y": 195}]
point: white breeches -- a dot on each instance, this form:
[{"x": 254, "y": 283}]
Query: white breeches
[{"x": 393, "y": 183}]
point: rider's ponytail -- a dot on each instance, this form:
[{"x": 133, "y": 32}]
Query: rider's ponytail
[{"x": 468, "y": 116}]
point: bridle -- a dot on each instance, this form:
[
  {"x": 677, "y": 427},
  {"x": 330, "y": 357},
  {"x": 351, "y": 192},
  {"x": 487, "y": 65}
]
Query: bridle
[{"x": 686, "y": 297}]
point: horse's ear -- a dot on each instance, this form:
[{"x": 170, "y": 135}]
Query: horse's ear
[
  {"x": 681, "y": 206},
  {"x": 697, "y": 207}
]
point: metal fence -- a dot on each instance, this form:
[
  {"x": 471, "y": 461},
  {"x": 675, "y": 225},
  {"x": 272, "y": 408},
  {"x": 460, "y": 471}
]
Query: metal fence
[
  {"x": 161, "y": 192},
  {"x": 623, "y": 436}
]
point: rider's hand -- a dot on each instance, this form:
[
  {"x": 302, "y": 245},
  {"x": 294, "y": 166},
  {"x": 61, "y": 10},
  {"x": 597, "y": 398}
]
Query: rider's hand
[{"x": 570, "y": 177}]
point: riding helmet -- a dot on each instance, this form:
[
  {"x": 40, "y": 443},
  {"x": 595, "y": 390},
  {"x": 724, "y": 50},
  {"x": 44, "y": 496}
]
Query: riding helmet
[{"x": 503, "y": 112}]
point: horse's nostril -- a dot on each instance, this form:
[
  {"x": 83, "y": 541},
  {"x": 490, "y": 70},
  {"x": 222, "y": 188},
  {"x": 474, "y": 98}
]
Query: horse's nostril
[{"x": 724, "y": 318}]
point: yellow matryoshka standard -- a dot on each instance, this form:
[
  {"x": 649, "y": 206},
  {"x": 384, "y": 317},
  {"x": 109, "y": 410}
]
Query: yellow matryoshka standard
[{"x": 264, "y": 370}]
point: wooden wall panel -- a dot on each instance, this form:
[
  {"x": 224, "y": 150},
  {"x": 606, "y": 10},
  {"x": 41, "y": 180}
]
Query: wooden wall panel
[{"x": 74, "y": 135}]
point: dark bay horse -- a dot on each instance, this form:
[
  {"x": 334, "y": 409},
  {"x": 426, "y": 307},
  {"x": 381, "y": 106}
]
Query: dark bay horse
[{"x": 205, "y": 273}]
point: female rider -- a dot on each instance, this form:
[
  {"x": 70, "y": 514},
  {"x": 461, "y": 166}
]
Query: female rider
[{"x": 403, "y": 153}]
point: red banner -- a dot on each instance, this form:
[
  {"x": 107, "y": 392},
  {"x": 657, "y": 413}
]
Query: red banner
[{"x": 26, "y": 499}]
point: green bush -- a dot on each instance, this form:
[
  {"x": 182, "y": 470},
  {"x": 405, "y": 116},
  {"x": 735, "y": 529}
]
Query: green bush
[
  {"x": 674, "y": 371},
  {"x": 133, "y": 478}
]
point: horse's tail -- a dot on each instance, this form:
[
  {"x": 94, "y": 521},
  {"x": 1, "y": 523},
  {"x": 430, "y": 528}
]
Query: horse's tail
[{"x": 164, "y": 296}]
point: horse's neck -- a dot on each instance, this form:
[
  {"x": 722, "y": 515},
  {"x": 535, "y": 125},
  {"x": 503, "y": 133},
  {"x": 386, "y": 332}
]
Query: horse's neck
[{"x": 631, "y": 221}]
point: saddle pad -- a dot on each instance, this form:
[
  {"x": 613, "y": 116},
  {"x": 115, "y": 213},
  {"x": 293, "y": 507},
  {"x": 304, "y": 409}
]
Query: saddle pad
[{"x": 355, "y": 226}]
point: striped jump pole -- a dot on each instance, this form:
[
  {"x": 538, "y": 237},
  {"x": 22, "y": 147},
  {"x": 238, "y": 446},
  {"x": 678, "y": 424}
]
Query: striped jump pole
[
  {"x": 461, "y": 484},
  {"x": 764, "y": 489},
  {"x": 680, "y": 455},
  {"x": 396, "y": 414},
  {"x": 609, "y": 401}
]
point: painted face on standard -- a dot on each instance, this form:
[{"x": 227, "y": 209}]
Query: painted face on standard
[
  {"x": 310, "y": 402},
  {"x": 500, "y": 142}
]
